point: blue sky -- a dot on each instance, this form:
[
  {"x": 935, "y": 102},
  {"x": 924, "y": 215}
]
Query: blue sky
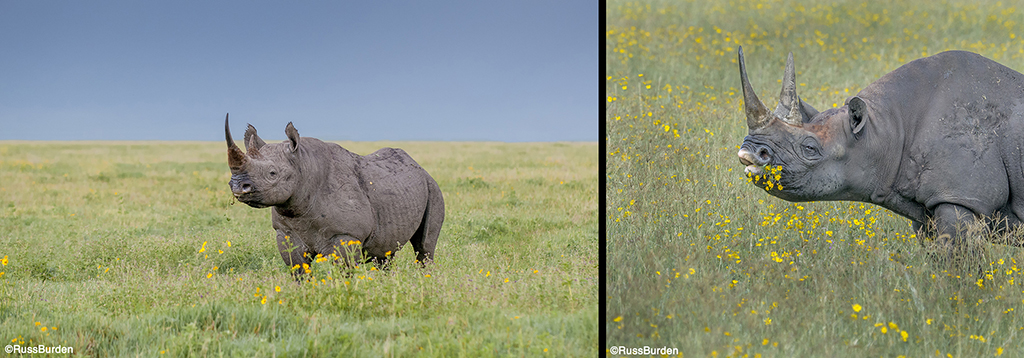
[{"x": 169, "y": 70}]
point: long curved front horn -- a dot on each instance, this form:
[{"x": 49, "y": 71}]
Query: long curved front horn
[
  {"x": 236, "y": 158},
  {"x": 757, "y": 113}
]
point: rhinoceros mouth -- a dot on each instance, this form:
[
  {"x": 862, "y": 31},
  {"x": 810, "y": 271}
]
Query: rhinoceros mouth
[
  {"x": 251, "y": 200},
  {"x": 753, "y": 170},
  {"x": 255, "y": 204},
  {"x": 747, "y": 158}
]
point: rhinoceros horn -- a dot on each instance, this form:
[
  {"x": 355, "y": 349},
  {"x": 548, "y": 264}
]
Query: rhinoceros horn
[
  {"x": 788, "y": 109},
  {"x": 757, "y": 113},
  {"x": 236, "y": 158}
]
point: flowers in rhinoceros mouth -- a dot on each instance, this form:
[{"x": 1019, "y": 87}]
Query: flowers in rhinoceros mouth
[{"x": 768, "y": 176}]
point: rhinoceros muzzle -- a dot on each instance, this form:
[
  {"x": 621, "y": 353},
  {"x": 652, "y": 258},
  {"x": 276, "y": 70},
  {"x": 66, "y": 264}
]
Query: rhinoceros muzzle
[
  {"x": 747, "y": 159},
  {"x": 754, "y": 160},
  {"x": 245, "y": 191},
  {"x": 240, "y": 185}
]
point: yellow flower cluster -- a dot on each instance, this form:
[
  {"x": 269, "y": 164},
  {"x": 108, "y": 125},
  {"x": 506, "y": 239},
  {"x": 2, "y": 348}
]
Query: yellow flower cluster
[{"x": 771, "y": 176}]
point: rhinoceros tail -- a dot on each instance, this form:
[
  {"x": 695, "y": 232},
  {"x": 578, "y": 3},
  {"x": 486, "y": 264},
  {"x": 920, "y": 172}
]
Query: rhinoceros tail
[{"x": 425, "y": 239}]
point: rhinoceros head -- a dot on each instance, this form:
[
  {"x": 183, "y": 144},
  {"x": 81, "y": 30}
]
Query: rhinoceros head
[
  {"x": 795, "y": 152},
  {"x": 267, "y": 174}
]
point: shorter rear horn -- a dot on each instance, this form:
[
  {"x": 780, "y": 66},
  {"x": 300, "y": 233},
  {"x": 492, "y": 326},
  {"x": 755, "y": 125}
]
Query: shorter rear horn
[{"x": 789, "y": 110}]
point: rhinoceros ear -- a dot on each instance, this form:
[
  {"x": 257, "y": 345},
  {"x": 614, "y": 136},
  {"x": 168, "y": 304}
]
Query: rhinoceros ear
[
  {"x": 293, "y": 136},
  {"x": 858, "y": 114},
  {"x": 808, "y": 110},
  {"x": 252, "y": 140}
]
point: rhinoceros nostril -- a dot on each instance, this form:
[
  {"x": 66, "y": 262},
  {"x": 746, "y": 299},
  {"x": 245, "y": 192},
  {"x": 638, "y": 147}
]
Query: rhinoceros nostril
[
  {"x": 764, "y": 155},
  {"x": 246, "y": 187}
]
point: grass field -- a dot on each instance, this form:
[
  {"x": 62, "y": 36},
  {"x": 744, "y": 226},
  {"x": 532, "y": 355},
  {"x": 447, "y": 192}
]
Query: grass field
[
  {"x": 701, "y": 260},
  {"x": 139, "y": 249}
]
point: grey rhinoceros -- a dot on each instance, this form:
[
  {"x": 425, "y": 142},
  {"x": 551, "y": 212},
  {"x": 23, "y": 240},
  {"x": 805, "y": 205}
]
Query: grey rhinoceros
[
  {"x": 938, "y": 139},
  {"x": 327, "y": 200}
]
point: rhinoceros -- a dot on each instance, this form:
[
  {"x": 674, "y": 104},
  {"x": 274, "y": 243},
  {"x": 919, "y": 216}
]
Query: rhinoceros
[
  {"x": 938, "y": 140},
  {"x": 327, "y": 200}
]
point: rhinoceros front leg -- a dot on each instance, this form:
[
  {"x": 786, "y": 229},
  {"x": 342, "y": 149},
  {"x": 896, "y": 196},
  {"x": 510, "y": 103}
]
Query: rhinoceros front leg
[
  {"x": 293, "y": 252},
  {"x": 922, "y": 231},
  {"x": 952, "y": 222},
  {"x": 347, "y": 248}
]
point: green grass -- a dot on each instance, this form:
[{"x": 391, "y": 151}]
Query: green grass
[
  {"x": 121, "y": 249},
  {"x": 701, "y": 260}
]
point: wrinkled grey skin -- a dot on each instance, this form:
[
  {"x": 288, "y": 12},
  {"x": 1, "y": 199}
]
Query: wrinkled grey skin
[
  {"x": 938, "y": 139},
  {"x": 323, "y": 197}
]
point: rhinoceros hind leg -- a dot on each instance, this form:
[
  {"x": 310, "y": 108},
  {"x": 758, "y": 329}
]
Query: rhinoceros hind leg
[{"x": 424, "y": 241}]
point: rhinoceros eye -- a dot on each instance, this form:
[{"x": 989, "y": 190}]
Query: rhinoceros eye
[
  {"x": 273, "y": 173},
  {"x": 810, "y": 149}
]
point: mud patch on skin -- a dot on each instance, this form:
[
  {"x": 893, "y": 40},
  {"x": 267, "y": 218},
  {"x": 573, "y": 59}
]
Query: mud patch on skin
[
  {"x": 973, "y": 126},
  {"x": 820, "y": 126},
  {"x": 917, "y": 164}
]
